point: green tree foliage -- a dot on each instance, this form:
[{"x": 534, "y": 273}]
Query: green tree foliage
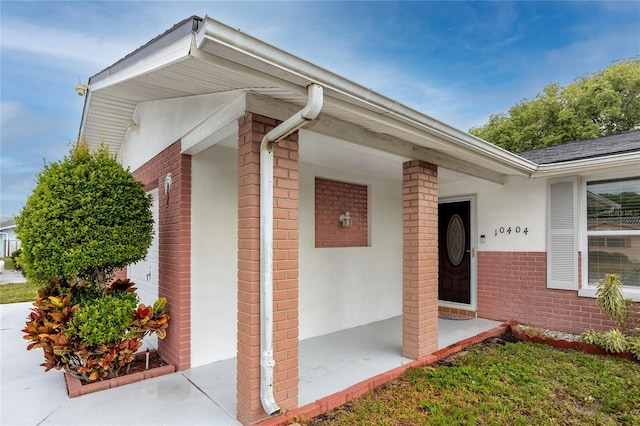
[
  {"x": 86, "y": 217},
  {"x": 599, "y": 104}
]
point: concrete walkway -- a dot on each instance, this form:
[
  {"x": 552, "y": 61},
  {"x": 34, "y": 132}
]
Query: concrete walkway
[
  {"x": 202, "y": 395},
  {"x": 29, "y": 396},
  {"x": 9, "y": 276}
]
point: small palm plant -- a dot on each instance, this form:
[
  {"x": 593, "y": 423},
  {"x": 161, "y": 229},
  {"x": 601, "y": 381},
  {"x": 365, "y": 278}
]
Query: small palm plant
[{"x": 624, "y": 338}]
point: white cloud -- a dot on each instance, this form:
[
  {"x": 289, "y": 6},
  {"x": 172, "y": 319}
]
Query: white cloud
[{"x": 61, "y": 43}]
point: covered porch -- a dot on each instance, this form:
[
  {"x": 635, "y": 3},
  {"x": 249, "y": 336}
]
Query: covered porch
[{"x": 332, "y": 363}]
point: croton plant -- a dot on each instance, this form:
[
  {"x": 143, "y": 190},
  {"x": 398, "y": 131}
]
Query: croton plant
[{"x": 92, "y": 335}]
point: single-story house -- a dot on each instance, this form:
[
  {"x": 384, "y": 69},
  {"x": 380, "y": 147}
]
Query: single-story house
[
  {"x": 293, "y": 203},
  {"x": 9, "y": 242}
]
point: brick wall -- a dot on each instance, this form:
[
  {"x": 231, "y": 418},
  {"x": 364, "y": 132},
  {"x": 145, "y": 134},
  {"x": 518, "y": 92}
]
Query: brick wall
[
  {"x": 513, "y": 286},
  {"x": 333, "y": 199},
  {"x": 285, "y": 269},
  {"x": 420, "y": 259},
  {"x": 174, "y": 247}
]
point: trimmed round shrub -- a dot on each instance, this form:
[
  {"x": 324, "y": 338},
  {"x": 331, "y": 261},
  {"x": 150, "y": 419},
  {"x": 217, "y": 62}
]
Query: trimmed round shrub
[{"x": 86, "y": 217}]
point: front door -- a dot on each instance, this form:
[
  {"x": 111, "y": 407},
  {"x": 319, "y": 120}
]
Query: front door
[{"x": 454, "y": 240}]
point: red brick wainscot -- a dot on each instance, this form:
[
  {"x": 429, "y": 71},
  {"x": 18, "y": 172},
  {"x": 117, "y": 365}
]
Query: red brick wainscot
[{"x": 512, "y": 286}]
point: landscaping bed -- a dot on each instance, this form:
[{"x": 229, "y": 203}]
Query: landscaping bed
[
  {"x": 138, "y": 370},
  {"x": 503, "y": 381}
]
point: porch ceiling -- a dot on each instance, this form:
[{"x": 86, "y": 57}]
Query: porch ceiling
[{"x": 198, "y": 63}]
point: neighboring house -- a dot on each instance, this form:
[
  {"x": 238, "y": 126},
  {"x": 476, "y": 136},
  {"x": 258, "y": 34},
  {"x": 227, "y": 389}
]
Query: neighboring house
[
  {"x": 378, "y": 210},
  {"x": 9, "y": 242}
]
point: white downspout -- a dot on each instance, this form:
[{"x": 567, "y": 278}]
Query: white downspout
[
  {"x": 6, "y": 244},
  {"x": 284, "y": 129}
]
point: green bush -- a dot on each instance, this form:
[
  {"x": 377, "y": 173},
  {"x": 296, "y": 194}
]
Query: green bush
[
  {"x": 9, "y": 263},
  {"x": 15, "y": 256},
  {"x": 103, "y": 320},
  {"x": 86, "y": 217}
]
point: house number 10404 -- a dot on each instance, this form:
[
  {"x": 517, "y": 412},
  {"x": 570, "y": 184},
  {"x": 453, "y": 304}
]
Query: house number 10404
[{"x": 511, "y": 230}]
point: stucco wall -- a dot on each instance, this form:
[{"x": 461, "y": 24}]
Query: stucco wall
[
  {"x": 163, "y": 122},
  {"x": 519, "y": 205},
  {"x": 214, "y": 222},
  {"x": 350, "y": 286}
]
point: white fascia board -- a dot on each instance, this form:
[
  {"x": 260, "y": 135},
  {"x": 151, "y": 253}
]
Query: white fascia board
[
  {"x": 215, "y": 127},
  {"x": 588, "y": 165},
  {"x": 174, "y": 52},
  {"x": 216, "y": 38}
]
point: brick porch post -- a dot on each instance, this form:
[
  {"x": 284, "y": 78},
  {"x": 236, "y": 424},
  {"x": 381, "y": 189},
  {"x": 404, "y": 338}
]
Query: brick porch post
[
  {"x": 174, "y": 247},
  {"x": 252, "y": 128},
  {"x": 420, "y": 259}
]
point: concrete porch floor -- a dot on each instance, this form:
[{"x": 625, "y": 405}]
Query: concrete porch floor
[
  {"x": 334, "y": 362},
  {"x": 201, "y": 395}
]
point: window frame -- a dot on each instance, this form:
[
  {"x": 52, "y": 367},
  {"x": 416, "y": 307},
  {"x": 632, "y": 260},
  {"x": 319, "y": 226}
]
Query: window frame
[{"x": 587, "y": 289}]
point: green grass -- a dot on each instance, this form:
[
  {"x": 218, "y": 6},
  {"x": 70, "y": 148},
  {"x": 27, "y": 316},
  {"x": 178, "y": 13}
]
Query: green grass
[
  {"x": 504, "y": 384},
  {"x": 20, "y": 292}
]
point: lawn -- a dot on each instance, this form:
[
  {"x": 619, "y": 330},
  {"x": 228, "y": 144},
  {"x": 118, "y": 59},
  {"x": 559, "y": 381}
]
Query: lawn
[
  {"x": 19, "y": 292},
  {"x": 504, "y": 384}
]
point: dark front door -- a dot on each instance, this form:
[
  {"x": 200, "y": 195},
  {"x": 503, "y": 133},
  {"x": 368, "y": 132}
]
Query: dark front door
[{"x": 454, "y": 252}]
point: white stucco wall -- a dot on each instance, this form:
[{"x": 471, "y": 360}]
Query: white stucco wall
[
  {"x": 346, "y": 287},
  {"x": 214, "y": 249},
  {"x": 163, "y": 122},
  {"x": 145, "y": 272},
  {"x": 519, "y": 204}
]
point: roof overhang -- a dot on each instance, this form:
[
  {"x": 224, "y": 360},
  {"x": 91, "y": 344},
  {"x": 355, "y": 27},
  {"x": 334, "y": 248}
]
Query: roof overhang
[{"x": 200, "y": 56}]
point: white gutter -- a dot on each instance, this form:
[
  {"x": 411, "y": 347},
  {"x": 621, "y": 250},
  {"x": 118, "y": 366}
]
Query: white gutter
[
  {"x": 293, "y": 123},
  {"x": 587, "y": 165},
  {"x": 272, "y": 61}
]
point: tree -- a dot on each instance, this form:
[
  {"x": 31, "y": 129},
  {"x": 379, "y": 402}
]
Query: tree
[
  {"x": 598, "y": 104},
  {"x": 86, "y": 217}
]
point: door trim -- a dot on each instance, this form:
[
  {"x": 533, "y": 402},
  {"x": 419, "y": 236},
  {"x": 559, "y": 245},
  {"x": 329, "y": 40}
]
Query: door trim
[{"x": 473, "y": 217}]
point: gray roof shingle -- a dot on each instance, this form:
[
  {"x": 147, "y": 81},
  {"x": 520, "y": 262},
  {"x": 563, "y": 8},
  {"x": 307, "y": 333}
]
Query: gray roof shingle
[{"x": 603, "y": 146}]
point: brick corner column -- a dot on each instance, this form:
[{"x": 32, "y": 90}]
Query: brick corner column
[
  {"x": 251, "y": 130},
  {"x": 420, "y": 259},
  {"x": 174, "y": 247}
]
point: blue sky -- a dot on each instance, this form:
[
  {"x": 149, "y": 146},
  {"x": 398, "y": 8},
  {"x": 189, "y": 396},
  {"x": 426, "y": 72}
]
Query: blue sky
[{"x": 459, "y": 62}]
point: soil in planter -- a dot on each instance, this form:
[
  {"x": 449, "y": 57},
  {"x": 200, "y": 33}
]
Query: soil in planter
[{"x": 137, "y": 366}]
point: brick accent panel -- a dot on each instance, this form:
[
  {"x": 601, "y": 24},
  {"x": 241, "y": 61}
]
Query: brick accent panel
[
  {"x": 251, "y": 130},
  {"x": 333, "y": 199},
  {"x": 174, "y": 247},
  {"x": 420, "y": 259},
  {"x": 513, "y": 286}
]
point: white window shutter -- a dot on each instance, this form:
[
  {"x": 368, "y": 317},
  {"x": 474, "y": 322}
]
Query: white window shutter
[{"x": 562, "y": 241}]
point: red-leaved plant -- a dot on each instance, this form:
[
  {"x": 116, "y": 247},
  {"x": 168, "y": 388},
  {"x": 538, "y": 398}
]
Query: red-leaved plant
[{"x": 92, "y": 337}]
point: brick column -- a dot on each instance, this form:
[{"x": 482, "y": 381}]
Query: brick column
[
  {"x": 285, "y": 269},
  {"x": 420, "y": 259},
  {"x": 174, "y": 247}
]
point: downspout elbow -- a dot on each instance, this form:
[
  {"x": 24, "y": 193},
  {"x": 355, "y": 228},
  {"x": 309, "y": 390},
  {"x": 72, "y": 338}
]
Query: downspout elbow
[{"x": 308, "y": 113}]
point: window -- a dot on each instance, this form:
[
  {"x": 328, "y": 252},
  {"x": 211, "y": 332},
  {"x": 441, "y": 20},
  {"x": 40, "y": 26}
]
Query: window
[{"x": 613, "y": 229}]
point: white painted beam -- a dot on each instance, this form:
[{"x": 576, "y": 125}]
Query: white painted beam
[
  {"x": 216, "y": 127},
  {"x": 331, "y": 126}
]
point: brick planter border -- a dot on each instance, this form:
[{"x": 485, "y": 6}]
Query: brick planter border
[
  {"x": 566, "y": 344},
  {"x": 76, "y": 388}
]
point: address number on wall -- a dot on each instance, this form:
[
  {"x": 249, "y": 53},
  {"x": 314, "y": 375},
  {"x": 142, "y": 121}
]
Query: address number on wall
[{"x": 508, "y": 230}]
